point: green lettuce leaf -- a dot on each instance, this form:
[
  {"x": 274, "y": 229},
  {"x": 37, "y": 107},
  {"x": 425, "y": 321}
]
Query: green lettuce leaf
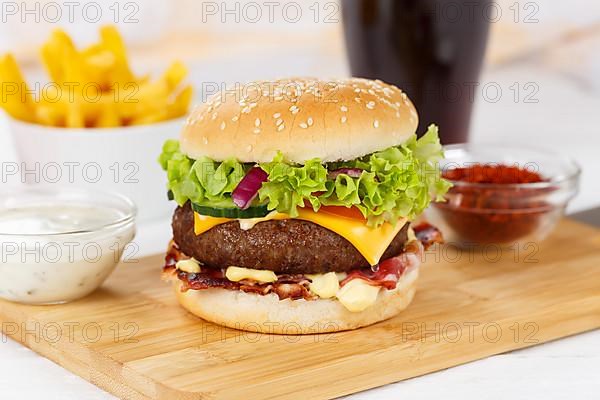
[
  {"x": 202, "y": 181},
  {"x": 396, "y": 182},
  {"x": 290, "y": 186}
]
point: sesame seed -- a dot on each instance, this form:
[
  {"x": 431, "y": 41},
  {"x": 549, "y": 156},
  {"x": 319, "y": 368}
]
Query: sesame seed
[
  {"x": 276, "y": 115},
  {"x": 357, "y": 90},
  {"x": 344, "y": 119},
  {"x": 257, "y": 122},
  {"x": 344, "y": 108},
  {"x": 371, "y": 105},
  {"x": 223, "y": 125},
  {"x": 357, "y": 99},
  {"x": 281, "y": 127},
  {"x": 256, "y": 131},
  {"x": 278, "y": 122},
  {"x": 303, "y": 125},
  {"x": 294, "y": 109},
  {"x": 310, "y": 121},
  {"x": 376, "y": 123},
  {"x": 246, "y": 110},
  {"x": 235, "y": 118},
  {"x": 205, "y": 140},
  {"x": 214, "y": 116},
  {"x": 397, "y": 114}
]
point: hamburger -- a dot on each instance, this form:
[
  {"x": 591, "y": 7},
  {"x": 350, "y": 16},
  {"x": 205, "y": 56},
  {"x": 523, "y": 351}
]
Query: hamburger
[{"x": 294, "y": 205}]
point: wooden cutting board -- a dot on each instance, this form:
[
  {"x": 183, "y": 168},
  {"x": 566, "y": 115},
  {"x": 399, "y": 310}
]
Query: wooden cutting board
[{"x": 131, "y": 338}]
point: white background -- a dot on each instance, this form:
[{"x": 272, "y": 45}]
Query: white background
[{"x": 560, "y": 54}]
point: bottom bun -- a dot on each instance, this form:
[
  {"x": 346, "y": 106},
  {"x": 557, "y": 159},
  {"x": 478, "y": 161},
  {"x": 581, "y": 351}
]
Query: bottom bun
[{"x": 267, "y": 314}]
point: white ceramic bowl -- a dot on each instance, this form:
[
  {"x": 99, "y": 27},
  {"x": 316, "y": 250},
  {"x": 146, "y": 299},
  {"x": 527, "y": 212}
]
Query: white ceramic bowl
[{"x": 122, "y": 160}]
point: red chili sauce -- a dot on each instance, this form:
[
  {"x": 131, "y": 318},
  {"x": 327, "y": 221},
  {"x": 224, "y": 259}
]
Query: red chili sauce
[{"x": 493, "y": 209}]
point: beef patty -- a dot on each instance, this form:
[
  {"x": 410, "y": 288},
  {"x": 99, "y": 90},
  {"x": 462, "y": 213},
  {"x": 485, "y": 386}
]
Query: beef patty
[{"x": 289, "y": 246}]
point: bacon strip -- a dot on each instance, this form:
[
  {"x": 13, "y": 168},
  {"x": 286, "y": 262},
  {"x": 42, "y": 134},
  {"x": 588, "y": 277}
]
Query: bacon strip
[
  {"x": 389, "y": 271},
  {"x": 173, "y": 254},
  {"x": 428, "y": 234},
  {"x": 286, "y": 287},
  {"x": 386, "y": 274}
]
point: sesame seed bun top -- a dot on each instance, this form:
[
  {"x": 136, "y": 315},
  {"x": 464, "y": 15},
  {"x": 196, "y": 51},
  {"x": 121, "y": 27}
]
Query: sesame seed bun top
[{"x": 303, "y": 118}]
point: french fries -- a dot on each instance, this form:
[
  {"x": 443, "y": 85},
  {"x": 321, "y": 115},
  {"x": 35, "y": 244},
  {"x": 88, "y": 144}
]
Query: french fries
[
  {"x": 93, "y": 87},
  {"x": 15, "y": 95}
]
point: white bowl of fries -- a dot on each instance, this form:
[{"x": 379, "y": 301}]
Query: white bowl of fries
[
  {"x": 95, "y": 123},
  {"x": 121, "y": 160}
]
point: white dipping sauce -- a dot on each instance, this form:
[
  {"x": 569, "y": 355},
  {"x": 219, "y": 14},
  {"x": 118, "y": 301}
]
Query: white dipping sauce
[{"x": 59, "y": 252}]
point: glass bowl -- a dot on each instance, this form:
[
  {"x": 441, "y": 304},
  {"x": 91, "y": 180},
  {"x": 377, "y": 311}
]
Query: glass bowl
[
  {"x": 476, "y": 214},
  {"x": 60, "y": 244}
]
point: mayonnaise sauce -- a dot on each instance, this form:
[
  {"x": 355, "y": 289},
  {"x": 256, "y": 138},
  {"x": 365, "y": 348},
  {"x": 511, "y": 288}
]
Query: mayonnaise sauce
[{"x": 59, "y": 252}]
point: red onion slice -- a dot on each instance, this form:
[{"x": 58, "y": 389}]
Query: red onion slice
[
  {"x": 248, "y": 187},
  {"x": 351, "y": 172}
]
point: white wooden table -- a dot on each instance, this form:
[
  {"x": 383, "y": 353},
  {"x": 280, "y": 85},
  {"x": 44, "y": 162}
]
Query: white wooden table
[
  {"x": 566, "y": 368},
  {"x": 566, "y": 118}
]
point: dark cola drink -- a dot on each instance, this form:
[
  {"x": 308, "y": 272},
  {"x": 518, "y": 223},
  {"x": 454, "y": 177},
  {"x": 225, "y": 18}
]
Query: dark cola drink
[{"x": 432, "y": 49}]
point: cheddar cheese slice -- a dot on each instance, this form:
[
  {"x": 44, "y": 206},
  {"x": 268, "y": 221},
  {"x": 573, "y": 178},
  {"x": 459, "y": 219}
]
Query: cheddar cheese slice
[{"x": 370, "y": 242}]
